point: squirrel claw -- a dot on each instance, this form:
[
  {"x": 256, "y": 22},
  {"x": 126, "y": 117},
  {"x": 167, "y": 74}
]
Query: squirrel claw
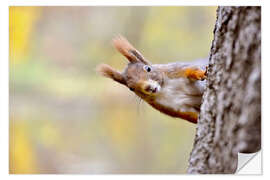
[{"x": 205, "y": 74}]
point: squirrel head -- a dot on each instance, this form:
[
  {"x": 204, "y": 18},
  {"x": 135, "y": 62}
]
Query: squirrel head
[{"x": 139, "y": 75}]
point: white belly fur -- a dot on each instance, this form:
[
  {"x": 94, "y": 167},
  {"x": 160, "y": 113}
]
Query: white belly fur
[{"x": 181, "y": 94}]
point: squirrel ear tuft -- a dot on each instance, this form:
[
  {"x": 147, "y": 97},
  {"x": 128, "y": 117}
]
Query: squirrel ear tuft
[
  {"x": 126, "y": 49},
  {"x": 109, "y": 72}
]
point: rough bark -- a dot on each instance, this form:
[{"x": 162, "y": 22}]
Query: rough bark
[{"x": 230, "y": 118}]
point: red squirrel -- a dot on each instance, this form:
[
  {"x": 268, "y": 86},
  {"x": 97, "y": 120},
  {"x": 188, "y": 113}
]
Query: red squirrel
[{"x": 175, "y": 89}]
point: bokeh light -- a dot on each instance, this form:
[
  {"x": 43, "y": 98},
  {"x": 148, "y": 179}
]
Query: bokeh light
[{"x": 65, "y": 118}]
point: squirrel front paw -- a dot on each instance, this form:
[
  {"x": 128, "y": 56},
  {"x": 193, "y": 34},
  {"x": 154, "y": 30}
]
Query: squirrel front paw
[
  {"x": 206, "y": 72},
  {"x": 196, "y": 74}
]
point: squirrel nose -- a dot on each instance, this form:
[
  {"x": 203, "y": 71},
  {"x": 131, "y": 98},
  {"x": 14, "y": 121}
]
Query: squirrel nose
[{"x": 151, "y": 89}]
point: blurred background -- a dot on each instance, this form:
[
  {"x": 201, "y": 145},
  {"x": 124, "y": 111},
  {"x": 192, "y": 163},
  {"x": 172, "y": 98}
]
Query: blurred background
[{"x": 65, "y": 118}]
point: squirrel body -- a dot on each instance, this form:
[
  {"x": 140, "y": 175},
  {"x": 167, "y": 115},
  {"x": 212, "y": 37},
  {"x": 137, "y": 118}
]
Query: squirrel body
[{"x": 175, "y": 89}]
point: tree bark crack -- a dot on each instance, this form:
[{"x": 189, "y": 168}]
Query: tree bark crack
[{"x": 230, "y": 118}]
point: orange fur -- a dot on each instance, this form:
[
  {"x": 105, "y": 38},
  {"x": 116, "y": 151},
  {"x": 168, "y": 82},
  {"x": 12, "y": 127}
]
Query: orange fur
[
  {"x": 126, "y": 49},
  {"x": 192, "y": 73},
  {"x": 165, "y": 87},
  {"x": 195, "y": 74},
  {"x": 190, "y": 116},
  {"x": 123, "y": 46},
  {"x": 108, "y": 71}
]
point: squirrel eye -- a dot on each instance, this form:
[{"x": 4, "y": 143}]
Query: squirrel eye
[
  {"x": 132, "y": 89},
  {"x": 147, "y": 68}
]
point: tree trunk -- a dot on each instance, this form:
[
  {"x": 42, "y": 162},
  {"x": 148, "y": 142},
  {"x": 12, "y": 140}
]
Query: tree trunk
[{"x": 230, "y": 118}]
